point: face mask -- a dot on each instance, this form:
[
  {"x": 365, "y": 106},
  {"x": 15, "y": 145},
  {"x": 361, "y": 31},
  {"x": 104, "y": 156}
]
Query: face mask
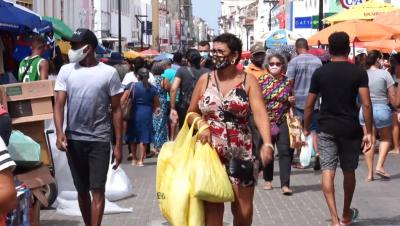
[
  {"x": 204, "y": 55},
  {"x": 274, "y": 69},
  {"x": 78, "y": 55},
  {"x": 221, "y": 62}
]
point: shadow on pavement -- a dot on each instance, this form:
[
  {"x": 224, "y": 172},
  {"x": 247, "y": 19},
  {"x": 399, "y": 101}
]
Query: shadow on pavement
[
  {"x": 59, "y": 223},
  {"x": 304, "y": 188},
  {"x": 382, "y": 221}
]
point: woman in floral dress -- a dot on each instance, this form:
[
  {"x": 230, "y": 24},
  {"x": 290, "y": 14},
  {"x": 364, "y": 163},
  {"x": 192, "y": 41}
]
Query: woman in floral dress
[
  {"x": 224, "y": 99},
  {"x": 160, "y": 126}
]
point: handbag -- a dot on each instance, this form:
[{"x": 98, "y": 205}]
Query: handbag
[
  {"x": 295, "y": 129},
  {"x": 126, "y": 110},
  {"x": 274, "y": 129}
]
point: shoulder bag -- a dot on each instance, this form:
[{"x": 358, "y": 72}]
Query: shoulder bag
[{"x": 127, "y": 108}]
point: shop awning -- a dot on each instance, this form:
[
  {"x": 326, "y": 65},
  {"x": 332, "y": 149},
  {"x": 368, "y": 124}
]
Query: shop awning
[
  {"x": 358, "y": 30},
  {"x": 61, "y": 30},
  {"x": 390, "y": 19},
  {"x": 131, "y": 54},
  {"x": 365, "y": 11}
]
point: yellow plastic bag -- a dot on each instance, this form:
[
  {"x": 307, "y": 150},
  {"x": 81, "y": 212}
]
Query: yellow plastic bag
[
  {"x": 173, "y": 182},
  {"x": 210, "y": 181}
]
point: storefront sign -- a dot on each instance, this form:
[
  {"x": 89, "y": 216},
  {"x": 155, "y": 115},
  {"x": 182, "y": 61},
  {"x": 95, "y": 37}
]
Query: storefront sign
[
  {"x": 349, "y": 3},
  {"x": 315, "y": 19},
  {"x": 303, "y": 22}
]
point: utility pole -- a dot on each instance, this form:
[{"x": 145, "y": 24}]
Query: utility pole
[
  {"x": 119, "y": 28},
  {"x": 156, "y": 24},
  {"x": 321, "y": 15}
]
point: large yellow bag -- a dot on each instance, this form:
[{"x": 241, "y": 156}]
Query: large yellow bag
[
  {"x": 210, "y": 181},
  {"x": 173, "y": 182}
]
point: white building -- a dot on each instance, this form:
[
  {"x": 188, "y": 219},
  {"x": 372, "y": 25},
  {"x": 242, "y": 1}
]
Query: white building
[{"x": 238, "y": 17}]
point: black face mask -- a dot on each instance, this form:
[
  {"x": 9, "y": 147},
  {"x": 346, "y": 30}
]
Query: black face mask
[{"x": 220, "y": 62}]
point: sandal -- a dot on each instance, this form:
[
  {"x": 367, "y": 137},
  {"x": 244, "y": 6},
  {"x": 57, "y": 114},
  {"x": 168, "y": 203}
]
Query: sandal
[
  {"x": 298, "y": 166},
  {"x": 140, "y": 164},
  {"x": 287, "y": 191},
  {"x": 382, "y": 174},
  {"x": 267, "y": 185},
  {"x": 354, "y": 217},
  {"x": 134, "y": 162}
]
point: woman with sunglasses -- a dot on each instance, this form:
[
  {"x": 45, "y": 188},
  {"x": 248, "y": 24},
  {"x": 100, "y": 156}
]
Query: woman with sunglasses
[
  {"x": 224, "y": 98},
  {"x": 276, "y": 91}
]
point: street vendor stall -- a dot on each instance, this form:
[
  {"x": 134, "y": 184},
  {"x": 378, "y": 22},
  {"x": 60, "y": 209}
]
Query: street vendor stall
[{"x": 28, "y": 105}]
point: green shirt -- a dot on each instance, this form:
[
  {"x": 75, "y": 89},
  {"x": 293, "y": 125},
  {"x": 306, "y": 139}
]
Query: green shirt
[{"x": 33, "y": 73}]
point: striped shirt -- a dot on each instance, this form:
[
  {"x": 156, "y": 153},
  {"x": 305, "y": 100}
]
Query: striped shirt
[{"x": 5, "y": 158}]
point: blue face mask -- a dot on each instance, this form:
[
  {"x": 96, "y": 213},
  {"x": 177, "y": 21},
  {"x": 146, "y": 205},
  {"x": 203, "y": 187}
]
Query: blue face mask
[{"x": 205, "y": 55}]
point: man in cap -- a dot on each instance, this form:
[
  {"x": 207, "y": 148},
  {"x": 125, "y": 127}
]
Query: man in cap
[
  {"x": 257, "y": 60},
  {"x": 90, "y": 87}
]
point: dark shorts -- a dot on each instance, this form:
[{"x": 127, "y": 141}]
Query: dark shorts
[
  {"x": 333, "y": 149},
  {"x": 314, "y": 118},
  {"x": 89, "y": 162}
]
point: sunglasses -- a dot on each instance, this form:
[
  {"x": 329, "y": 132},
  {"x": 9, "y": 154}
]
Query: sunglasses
[{"x": 275, "y": 64}]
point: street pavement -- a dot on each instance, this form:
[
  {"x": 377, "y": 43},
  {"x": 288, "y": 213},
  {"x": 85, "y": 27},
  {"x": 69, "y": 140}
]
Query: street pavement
[{"x": 378, "y": 201}]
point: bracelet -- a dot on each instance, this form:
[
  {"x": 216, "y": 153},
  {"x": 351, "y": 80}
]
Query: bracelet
[{"x": 269, "y": 146}]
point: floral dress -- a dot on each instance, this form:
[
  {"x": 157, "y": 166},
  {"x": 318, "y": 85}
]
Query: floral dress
[
  {"x": 229, "y": 115},
  {"x": 160, "y": 122}
]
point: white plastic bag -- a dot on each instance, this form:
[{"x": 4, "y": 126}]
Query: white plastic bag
[
  {"x": 118, "y": 185},
  {"x": 306, "y": 150}
]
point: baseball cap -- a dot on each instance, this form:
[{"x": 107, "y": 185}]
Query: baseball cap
[
  {"x": 257, "y": 48},
  {"x": 85, "y": 36}
]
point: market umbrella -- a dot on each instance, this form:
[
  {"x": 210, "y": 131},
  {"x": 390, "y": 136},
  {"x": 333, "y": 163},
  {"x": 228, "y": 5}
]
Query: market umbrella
[
  {"x": 365, "y": 11},
  {"x": 358, "y": 30},
  {"x": 61, "y": 30},
  {"x": 150, "y": 52},
  {"x": 385, "y": 46},
  {"x": 281, "y": 37},
  {"x": 131, "y": 54},
  {"x": 164, "y": 56},
  {"x": 390, "y": 19},
  {"x": 16, "y": 18}
]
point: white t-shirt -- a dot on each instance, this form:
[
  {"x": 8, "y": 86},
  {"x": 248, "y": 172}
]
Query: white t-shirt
[
  {"x": 129, "y": 77},
  {"x": 89, "y": 91}
]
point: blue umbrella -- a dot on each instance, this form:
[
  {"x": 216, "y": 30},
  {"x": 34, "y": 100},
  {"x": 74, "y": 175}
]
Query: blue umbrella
[
  {"x": 100, "y": 49},
  {"x": 164, "y": 56},
  {"x": 16, "y": 18}
]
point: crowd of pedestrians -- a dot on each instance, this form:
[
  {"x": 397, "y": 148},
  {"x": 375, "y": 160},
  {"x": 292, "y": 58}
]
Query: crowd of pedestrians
[{"x": 341, "y": 105}]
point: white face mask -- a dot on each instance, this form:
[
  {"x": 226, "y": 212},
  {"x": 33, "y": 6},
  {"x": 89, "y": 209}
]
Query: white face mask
[
  {"x": 274, "y": 69},
  {"x": 78, "y": 55},
  {"x": 204, "y": 54}
]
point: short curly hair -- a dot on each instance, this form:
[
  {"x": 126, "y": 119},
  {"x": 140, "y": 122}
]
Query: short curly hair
[
  {"x": 280, "y": 57},
  {"x": 233, "y": 43},
  {"x": 339, "y": 44}
]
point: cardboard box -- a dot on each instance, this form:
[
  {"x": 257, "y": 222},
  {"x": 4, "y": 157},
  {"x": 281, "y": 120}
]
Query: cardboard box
[
  {"x": 36, "y": 131},
  {"x": 28, "y": 102}
]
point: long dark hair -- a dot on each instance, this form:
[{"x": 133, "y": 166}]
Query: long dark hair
[{"x": 372, "y": 58}]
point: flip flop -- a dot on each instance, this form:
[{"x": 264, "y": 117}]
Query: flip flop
[
  {"x": 382, "y": 174},
  {"x": 267, "y": 186},
  {"x": 354, "y": 217},
  {"x": 287, "y": 191},
  {"x": 140, "y": 164}
]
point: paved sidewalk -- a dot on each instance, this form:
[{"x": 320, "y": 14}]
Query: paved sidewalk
[{"x": 378, "y": 201}]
